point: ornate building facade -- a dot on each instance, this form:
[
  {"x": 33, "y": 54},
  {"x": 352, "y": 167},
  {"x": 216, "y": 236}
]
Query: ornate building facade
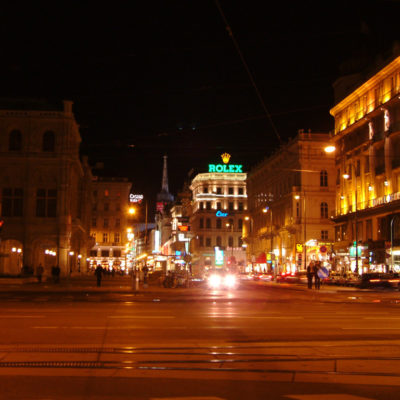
[
  {"x": 45, "y": 188},
  {"x": 291, "y": 198},
  {"x": 219, "y": 206},
  {"x": 367, "y": 157}
]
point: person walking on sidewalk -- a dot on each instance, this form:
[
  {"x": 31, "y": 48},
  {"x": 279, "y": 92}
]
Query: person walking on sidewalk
[
  {"x": 39, "y": 273},
  {"x": 99, "y": 274},
  {"x": 310, "y": 274},
  {"x": 316, "y": 276}
]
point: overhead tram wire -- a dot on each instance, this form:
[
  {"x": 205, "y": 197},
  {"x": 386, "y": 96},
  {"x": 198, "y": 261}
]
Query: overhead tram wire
[{"x": 229, "y": 30}]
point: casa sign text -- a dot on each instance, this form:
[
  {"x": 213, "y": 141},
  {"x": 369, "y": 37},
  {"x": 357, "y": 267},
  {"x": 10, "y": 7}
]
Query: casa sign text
[{"x": 225, "y": 168}]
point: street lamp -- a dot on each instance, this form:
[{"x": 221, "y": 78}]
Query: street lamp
[
  {"x": 346, "y": 176},
  {"x": 265, "y": 210},
  {"x": 231, "y": 226},
  {"x": 297, "y": 197},
  {"x": 71, "y": 253}
]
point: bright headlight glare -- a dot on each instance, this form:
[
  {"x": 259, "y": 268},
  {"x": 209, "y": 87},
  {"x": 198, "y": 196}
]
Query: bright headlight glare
[
  {"x": 214, "y": 281},
  {"x": 230, "y": 281}
]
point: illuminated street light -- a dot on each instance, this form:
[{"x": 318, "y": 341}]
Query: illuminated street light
[
  {"x": 329, "y": 149},
  {"x": 132, "y": 210}
]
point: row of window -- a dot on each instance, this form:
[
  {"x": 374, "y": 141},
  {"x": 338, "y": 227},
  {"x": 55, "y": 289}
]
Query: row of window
[
  {"x": 13, "y": 200},
  {"x": 207, "y": 205},
  {"x": 206, "y": 223},
  {"x": 105, "y": 253},
  {"x": 323, "y": 210},
  {"x": 219, "y": 190},
  {"x": 107, "y": 237},
  {"x": 207, "y": 241},
  {"x": 106, "y": 207},
  {"x": 15, "y": 141},
  {"x": 106, "y": 223}
]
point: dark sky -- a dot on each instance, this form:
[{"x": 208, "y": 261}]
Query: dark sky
[{"x": 164, "y": 77}]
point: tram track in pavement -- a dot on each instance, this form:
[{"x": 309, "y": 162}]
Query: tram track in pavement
[{"x": 295, "y": 361}]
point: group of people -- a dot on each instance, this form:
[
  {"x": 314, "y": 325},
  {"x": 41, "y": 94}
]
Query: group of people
[{"x": 312, "y": 274}]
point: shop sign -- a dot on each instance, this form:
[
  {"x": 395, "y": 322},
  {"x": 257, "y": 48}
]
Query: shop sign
[
  {"x": 221, "y": 214},
  {"x": 135, "y": 198},
  {"x": 299, "y": 248},
  {"x": 232, "y": 168},
  {"x": 219, "y": 256}
]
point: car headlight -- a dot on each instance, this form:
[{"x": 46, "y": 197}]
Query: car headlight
[
  {"x": 230, "y": 281},
  {"x": 214, "y": 281}
]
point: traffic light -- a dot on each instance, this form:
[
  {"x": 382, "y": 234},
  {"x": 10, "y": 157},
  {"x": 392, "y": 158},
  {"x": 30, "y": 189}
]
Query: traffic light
[{"x": 1, "y": 224}]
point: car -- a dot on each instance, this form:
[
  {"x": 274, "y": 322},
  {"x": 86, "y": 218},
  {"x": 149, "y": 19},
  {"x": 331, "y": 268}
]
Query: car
[
  {"x": 221, "y": 279},
  {"x": 379, "y": 280}
]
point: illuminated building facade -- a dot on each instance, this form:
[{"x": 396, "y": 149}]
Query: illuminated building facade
[
  {"x": 45, "y": 189},
  {"x": 111, "y": 224},
  {"x": 291, "y": 197},
  {"x": 367, "y": 156},
  {"x": 219, "y": 205}
]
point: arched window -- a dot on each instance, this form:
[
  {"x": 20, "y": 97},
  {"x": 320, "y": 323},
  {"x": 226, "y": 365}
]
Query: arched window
[
  {"x": 48, "y": 142},
  {"x": 323, "y": 178},
  {"x": 324, "y": 210},
  {"x": 15, "y": 143}
]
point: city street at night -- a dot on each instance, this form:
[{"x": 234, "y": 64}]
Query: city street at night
[{"x": 263, "y": 340}]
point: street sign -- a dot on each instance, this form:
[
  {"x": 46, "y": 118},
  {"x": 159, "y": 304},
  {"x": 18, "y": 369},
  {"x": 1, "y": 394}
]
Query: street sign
[{"x": 323, "y": 273}]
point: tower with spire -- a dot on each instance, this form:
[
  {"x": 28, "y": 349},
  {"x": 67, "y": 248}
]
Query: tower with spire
[{"x": 164, "y": 197}]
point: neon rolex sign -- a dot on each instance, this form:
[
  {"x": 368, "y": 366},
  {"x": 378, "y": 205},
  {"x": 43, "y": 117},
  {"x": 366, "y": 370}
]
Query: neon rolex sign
[{"x": 231, "y": 168}]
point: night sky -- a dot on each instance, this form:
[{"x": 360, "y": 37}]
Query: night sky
[{"x": 164, "y": 77}]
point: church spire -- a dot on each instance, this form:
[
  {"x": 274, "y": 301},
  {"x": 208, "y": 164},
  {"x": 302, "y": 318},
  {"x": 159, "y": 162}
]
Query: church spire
[
  {"x": 164, "y": 185},
  {"x": 165, "y": 196}
]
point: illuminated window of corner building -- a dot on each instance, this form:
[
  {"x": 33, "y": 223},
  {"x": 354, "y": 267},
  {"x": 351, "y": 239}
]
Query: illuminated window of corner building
[
  {"x": 230, "y": 190},
  {"x": 324, "y": 235},
  {"x": 201, "y": 205},
  {"x": 105, "y": 237},
  {"x": 105, "y": 223},
  {"x": 117, "y": 237},
  {"x": 208, "y": 205},
  {"x": 205, "y": 189},
  {"x": 218, "y": 205},
  {"x": 12, "y": 202},
  {"x": 324, "y": 210},
  {"x": 117, "y": 253},
  {"x": 230, "y": 206},
  {"x": 46, "y": 203},
  {"x": 106, "y": 193},
  {"x": 240, "y": 205},
  {"x": 219, "y": 190},
  {"x": 208, "y": 242},
  {"x": 323, "y": 178},
  {"x": 93, "y": 253},
  {"x": 218, "y": 241},
  {"x": 201, "y": 223},
  {"x": 219, "y": 223},
  {"x": 240, "y": 191},
  {"x": 208, "y": 223},
  {"x": 240, "y": 224},
  {"x": 105, "y": 253}
]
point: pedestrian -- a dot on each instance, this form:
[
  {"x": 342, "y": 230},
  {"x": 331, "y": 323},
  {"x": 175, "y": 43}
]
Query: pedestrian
[
  {"x": 317, "y": 279},
  {"x": 99, "y": 274},
  {"x": 310, "y": 273},
  {"x": 57, "y": 273},
  {"x": 39, "y": 273}
]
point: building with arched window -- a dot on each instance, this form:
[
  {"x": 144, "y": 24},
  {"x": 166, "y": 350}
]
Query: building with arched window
[
  {"x": 218, "y": 210},
  {"x": 45, "y": 189},
  {"x": 367, "y": 142}
]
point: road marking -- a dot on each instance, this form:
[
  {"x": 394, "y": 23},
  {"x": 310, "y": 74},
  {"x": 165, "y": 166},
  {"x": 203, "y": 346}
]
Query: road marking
[
  {"x": 381, "y": 318},
  {"x": 370, "y": 329},
  {"x": 22, "y": 316},
  {"x": 336, "y": 396},
  {"x": 139, "y": 316},
  {"x": 106, "y": 327}
]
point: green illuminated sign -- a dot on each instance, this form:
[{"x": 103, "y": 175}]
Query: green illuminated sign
[{"x": 225, "y": 168}]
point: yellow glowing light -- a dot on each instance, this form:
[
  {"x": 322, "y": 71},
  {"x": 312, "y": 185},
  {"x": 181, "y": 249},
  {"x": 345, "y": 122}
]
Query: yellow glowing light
[
  {"x": 330, "y": 149},
  {"x": 297, "y": 197},
  {"x": 346, "y": 176},
  {"x": 132, "y": 210}
]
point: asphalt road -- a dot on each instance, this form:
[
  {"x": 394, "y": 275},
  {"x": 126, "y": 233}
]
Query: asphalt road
[{"x": 263, "y": 341}]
